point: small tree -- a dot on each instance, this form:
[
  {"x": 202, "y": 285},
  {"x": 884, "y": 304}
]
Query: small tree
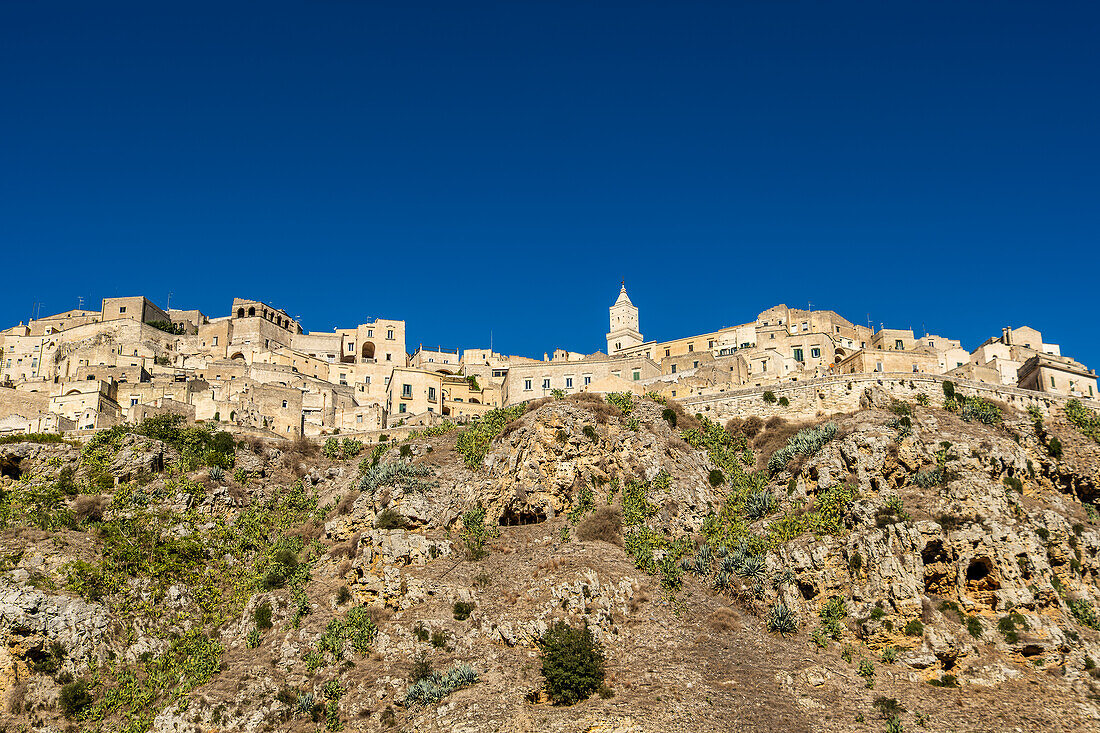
[
  {"x": 572, "y": 663},
  {"x": 74, "y": 698},
  {"x": 769, "y": 397}
]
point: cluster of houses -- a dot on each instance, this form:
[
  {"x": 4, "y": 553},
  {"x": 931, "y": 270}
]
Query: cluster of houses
[{"x": 256, "y": 369}]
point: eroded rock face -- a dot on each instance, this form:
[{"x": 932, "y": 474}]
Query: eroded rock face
[{"x": 33, "y": 621}]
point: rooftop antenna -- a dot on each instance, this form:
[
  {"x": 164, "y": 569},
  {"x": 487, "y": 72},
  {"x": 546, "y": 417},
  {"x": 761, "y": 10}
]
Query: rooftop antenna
[
  {"x": 168, "y": 305},
  {"x": 80, "y": 302}
]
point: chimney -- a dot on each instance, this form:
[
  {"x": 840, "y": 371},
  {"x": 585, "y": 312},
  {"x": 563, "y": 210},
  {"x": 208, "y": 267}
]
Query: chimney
[{"x": 1006, "y": 336}]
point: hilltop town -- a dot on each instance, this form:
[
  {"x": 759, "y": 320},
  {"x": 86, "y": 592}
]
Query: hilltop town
[{"x": 257, "y": 369}]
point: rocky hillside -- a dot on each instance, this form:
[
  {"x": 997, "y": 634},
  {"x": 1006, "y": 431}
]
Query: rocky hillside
[{"x": 925, "y": 566}]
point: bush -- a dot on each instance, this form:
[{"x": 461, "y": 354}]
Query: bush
[
  {"x": 606, "y": 524},
  {"x": 343, "y": 595},
  {"x": 389, "y": 519},
  {"x": 74, "y": 698},
  {"x": 769, "y": 397},
  {"x": 462, "y": 610},
  {"x": 974, "y": 626},
  {"x": 1054, "y": 448},
  {"x": 590, "y": 432},
  {"x": 716, "y": 478},
  {"x": 914, "y": 628},
  {"x": 949, "y": 390},
  {"x": 784, "y": 402},
  {"x": 947, "y": 680},
  {"x": 669, "y": 416},
  {"x": 262, "y": 616},
  {"x": 421, "y": 669},
  {"x": 572, "y": 663}
]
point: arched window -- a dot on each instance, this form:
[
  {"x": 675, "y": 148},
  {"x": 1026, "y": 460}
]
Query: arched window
[
  {"x": 252, "y": 311},
  {"x": 368, "y": 350},
  {"x": 240, "y": 313}
]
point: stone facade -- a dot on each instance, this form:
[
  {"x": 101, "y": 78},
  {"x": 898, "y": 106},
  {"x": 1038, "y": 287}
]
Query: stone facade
[{"x": 256, "y": 369}]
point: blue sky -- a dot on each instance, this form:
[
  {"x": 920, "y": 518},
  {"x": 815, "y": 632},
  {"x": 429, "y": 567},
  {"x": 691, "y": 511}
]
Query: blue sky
[{"x": 477, "y": 167}]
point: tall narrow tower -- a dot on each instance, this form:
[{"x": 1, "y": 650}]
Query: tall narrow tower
[{"x": 624, "y": 332}]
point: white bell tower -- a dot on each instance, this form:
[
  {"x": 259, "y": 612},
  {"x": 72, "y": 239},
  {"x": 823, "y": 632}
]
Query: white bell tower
[{"x": 624, "y": 332}]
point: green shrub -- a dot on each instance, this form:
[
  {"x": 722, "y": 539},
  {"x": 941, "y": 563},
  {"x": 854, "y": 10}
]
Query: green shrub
[
  {"x": 622, "y": 400},
  {"x": 331, "y": 448},
  {"x": 439, "y": 639},
  {"x": 949, "y": 390},
  {"x": 1054, "y": 448},
  {"x": 389, "y": 519},
  {"x": 1084, "y": 419},
  {"x": 262, "y": 616},
  {"x": 867, "y": 672},
  {"x": 947, "y": 680},
  {"x": 474, "y": 533},
  {"x": 462, "y": 610},
  {"x": 669, "y": 415},
  {"x": 784, "y": 402},
  {"x": 590, "y": 432},
  {"x": 474, "y": 441},
  {"x": 1014, "y": 483},
  {"x": 716, "y": 478},
  {"x": 974, "y": 627},
  {"x": 1083, "y": 611},
  {"x": 74, "y": 699},
  {"x": 769, "y": 397},
  {"x": 914, "y": 628},
  {"x": 889, "y": 655},
  {"x": 572, "y": 663},
  {"x": 420, "y": 631},
  {"x": 343, "y": 595}
]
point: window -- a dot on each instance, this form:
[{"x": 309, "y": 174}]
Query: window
[
  {"x": 694, "y": 365},
  {"x": 358, "y": 418},
  {"x": 351, "y": 347},
  {"x": 407, "y": 391},
  {"x": 431, "y": 394},
  {"x": 284, "y": 403},
  {"x": 587, "y": 379},
  {"x": 915, "y": 368},
  {"x": 401, "y": 407},
  {"x": 389, "y": 357},
  {"x": 133, "y": 401},
  {"x": 568, "y": 382},
  {"x": 618, "y": 346},
  {"x": 1051, "y": 380},
  {"x": 389, "y": 334},
  {"x": 838, "y": 329},
  {"x": 805, "y": 326},
  {"x": 673, "y": 368},
  {"x": 899, "y": 345},
  {"x": 214, "y": 342},
  {"x": 546, "y": 383},
  {"x": 772, "y": 336},
  {"x": 815, "y": 353},
  {"x": 122, "y": 309},
  {"x": 798, "y": 354},
  {"x": 370, "y": 333},
  {"x": 673, "y": 393},
  {"x": 710, "y": 344},
  {"x": 878, "y": 366},
  {"x": 666, "y": 351},
  {"x": 618, "y": 373},
  {"x": 267, "y": 343},
  {"x": 527, "y": 385},
  {"x": 343, "y": 379},
  {"x": 691, "y": 347},
  {"x": 368, "y": 379}
]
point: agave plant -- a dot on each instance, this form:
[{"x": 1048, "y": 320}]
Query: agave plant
[
  {"x": 705, "y": 554},
  {"x": 731, "y": 563},
  {"x": 217, "y": 473},
  {"x": 759, "y": 504},
  {"x": 687, "y": 564},
  {"x": 783, "y": 578},
  {"x": 721, "y": 580},
  {"x": 305, "y": 703},
  {"x": 753, "y": 568},
  {"x": 782, "y": 620}
]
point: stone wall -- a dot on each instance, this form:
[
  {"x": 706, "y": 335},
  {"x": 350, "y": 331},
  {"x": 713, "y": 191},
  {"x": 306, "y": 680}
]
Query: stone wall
[{"x": 827, "y": 395}]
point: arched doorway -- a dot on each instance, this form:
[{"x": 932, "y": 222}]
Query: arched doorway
[
  {"x": 368, "y": 350},
  {"x": 240, "y": 313}
]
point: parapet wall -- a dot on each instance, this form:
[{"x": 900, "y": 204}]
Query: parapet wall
[{"x": 828, "y": 395}]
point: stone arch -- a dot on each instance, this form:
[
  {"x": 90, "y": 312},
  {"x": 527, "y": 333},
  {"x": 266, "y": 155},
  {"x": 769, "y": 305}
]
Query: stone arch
[
  {"x": 475, "y": 401},
  {"x": 252, "y": 311},
  {"x": 238, "y": 355},
  {"x": 368, "y": 350},
  {"x": 240, "y": 313}
]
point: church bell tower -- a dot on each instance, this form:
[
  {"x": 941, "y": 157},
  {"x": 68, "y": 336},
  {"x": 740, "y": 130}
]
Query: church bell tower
[{"x": 624, "y": 332}]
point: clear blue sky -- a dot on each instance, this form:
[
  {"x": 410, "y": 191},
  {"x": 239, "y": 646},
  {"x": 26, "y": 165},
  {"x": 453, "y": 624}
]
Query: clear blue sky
[{"x": 472, "y": 166}]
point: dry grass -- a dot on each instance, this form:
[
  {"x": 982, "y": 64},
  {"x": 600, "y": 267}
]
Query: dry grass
[
  {"x": 750, "y": 427},
  {"x": 724, "y": 619},
  {"x": 89, "y": 508},
  {"x": 605, "y": 524},
  {"x": 347, "y": 549},
  {"x": 311, "y": 530},
  {"x": 347, "y": 501}
]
